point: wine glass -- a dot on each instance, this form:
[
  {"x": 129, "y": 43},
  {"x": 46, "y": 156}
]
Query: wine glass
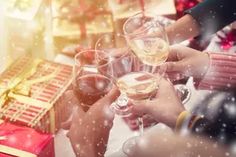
[
  {"x": 135, "y": 80},
  {"x": 88, "y": 84},
  {"x": 113, "y": 47},
  {"x": 147, "y": 38}
]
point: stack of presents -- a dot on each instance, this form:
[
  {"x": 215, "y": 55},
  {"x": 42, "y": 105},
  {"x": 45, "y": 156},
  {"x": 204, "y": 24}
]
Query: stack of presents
[{"x": 31, "y": 87}]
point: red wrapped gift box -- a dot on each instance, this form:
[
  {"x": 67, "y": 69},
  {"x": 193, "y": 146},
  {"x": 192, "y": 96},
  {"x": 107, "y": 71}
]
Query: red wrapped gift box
[
  {"x": 30, "y": 93},
  {"x": 24, "y": 142}
]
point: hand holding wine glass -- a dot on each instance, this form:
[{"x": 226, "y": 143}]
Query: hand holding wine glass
[
  {"x": 88, "y": 84},
  {"x": 89, "y": 131},
  {"x": 187, "y": 62},
  {"x": 164, "y": 107}
]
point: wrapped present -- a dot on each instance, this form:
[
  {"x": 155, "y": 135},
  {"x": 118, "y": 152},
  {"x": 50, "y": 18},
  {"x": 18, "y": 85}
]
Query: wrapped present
[
  {"x": 30, "y": 93},
  {"x": 123, "y": 9},
  {"x": 34, "y": 17},
  {"x": 80, "y": 22},
  {"x": 24, "y": 142}
]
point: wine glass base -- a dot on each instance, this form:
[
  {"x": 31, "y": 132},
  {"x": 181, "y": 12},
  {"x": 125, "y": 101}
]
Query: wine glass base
[
  {"x": 184, "y": 92},
  {"x": 121, "y": 106},
  {"x": 129, "y": 145}
]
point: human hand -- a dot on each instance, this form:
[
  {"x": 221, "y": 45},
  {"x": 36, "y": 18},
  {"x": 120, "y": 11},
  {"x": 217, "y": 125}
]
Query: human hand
[
  {"x": 187, "y": 62},
  {"x": 89, "y": 132},
  {"x": 165, "y": 107}
]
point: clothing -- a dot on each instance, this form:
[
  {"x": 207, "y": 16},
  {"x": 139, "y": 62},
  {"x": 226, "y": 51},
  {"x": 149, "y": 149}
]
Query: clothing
[
  {"x": 218, "y": 120},
  {"x": 216, "y": 116},
  {"x": 221, "y": 74},
  {"x": 213, "y": 15}
]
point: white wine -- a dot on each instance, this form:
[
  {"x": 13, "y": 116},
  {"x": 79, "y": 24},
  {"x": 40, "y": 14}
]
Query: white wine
[
  {"x": 150, "y": 50},
  {"x": 138, "y": 85}
]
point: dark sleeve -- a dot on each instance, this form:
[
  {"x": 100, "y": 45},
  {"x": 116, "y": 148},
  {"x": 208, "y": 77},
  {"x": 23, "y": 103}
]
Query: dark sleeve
[
  {"x": 223, "y": 127},
  {"x": 213, "y": 15}
]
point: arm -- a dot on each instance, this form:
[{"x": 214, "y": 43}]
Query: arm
[
  {"x": 205, "y": 19},
  {"x": 213, "y": 15},
  {"x": 210, "y": 70},
  {"x": 183, "y": 29},
  {"x": 221, "y": 73},
  {"x": 168, "y": 109},
  {"x": 160, "y": 144}
]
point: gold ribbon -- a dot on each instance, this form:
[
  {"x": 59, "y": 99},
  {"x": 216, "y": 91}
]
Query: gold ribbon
[
  {"x": 15, "y": 152},
  {"x": 19, "y": 87}
]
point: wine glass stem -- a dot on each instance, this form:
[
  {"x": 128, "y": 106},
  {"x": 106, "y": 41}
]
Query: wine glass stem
[{"x": 140, "y": 124}]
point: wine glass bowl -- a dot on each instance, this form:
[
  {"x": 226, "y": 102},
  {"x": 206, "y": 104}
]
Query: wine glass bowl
[
  {"x": 147, "y": 38},
  {"x": 88, "y": 84}
]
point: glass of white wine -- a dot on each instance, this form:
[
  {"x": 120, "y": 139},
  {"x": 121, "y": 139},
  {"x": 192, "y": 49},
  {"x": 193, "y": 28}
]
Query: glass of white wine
[
  {"x": 135, "y": 80},
  {"x": 147, "y": 37}
]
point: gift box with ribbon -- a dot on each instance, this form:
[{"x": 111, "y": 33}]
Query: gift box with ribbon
[
  {"x": 30, "y": 93},
  {"x": 24, "y": 142},
  {"x": 80, "y": 22}
]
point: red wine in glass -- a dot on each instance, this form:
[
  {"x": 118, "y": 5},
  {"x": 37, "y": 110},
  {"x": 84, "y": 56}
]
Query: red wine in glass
[{"x": 90, "y": 88}]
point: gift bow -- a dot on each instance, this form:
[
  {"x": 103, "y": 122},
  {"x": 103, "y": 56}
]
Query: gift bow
[{"x": 19, "y": 87}]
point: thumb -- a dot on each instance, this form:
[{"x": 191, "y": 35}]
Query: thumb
[
  {"x": 108, "y": 99},
  {"x": 174, "y": 66},
  {"x": 102, "y": 107}
]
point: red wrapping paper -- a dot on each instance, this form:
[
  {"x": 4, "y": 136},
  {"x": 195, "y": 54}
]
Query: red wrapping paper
[
  {"x": 37, "y": 115},
  {"x": 26, "y": 140}
]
